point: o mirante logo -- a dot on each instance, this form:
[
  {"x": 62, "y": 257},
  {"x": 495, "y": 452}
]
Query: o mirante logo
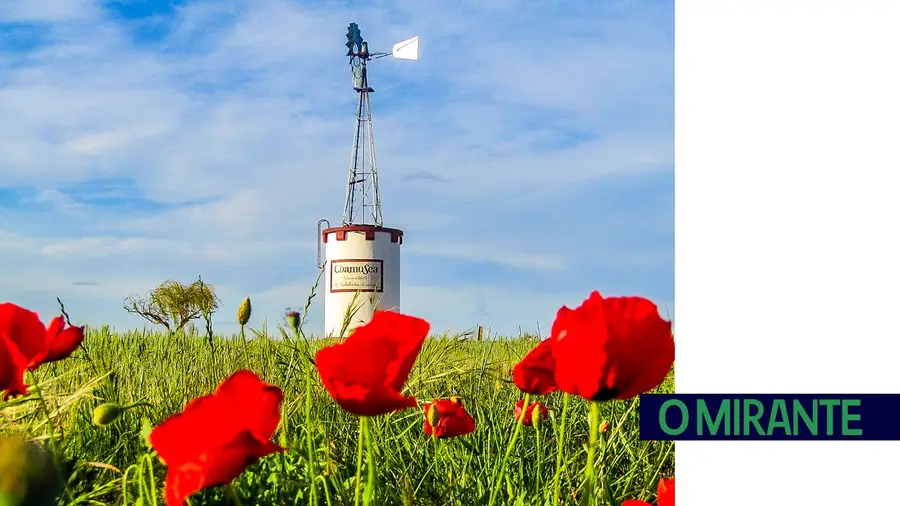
[{"x": 685, "y": 417}]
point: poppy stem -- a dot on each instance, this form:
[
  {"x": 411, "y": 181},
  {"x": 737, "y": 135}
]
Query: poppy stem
[
  {"x": 537, "y": 442},
  {"x": 57, "y": 458},
  {"x": 509, "y": 449},
  {"x": 370, "y": 463},
  {"x": 359, "y": 456},
  {"x": 246, "y": 352},
  {"x": 590, "y": 475},
  {"x": 310, "y": 454},
  {"x": 450, "y": 471},
  {"x": 441, "y": 453},
  {"x": 559, "y": 449},
  {"x": 136, "y": 404}
]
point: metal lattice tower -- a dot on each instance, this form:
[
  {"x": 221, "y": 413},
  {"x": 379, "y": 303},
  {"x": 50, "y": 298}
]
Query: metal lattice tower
[{"x": 363, "y": 203}]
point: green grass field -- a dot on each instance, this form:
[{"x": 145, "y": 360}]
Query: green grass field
[{"x": 111, "y": 464}]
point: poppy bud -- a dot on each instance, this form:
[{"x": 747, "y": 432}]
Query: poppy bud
[
  {"x": 537, "y": 416},
  {"x": 27, "y": 474},
  {"x": 432, "y": 414},
  {"x": 604, "y": 426},
  {"x": 106, "y": 413},
  {"x": 293, "y": 319},
  {"x": 243, "y": 314}
]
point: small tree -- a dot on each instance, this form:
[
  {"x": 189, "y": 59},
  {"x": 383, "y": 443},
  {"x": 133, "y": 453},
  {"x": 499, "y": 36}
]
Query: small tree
[
  {"x": 207, "y": 308},
  {"x": 173, "y": 305}
]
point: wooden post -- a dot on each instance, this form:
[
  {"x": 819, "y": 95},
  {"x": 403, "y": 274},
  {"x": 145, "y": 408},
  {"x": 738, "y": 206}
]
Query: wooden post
[{"x": 480, "y": 332}]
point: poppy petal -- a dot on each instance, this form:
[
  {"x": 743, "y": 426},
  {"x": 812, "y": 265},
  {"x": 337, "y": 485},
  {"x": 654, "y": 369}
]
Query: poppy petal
[
  {"x": 258, "y": 401},
  {"x": 535, "y": 373},
  {"x": 12, "y": 369},
  {"x": 635, "y": 502},
  {"x": 409, "y": 333},
  {"x": 215, "y": 467},
  {"x": 25, "y": 330},
  {"x": 455, "y": 426},
  {"x": 204, "y": 422},
  {"x": 617, "y": 347},
  {"x": 583, "y": 350},
  {"x": 217, "y": 436},
  {"x": 241, "y": 402},
  {"x": 454, "y": 420},
  {"x": 650, "y": 350},
  {"x": 529, "y": 412},
  {"x": 182, "y": 481},
  {"x": 55, "y": 327},
  {"x": 518, "y": 411},
  {"x": 224, "y": 464},
  {"x": 381, "y": 352},
  {"x": 62, "y": 340},
  {"x": 365, "y": 400},
  {"x": 366, "y": 372},
  {"x": 345, "y": 361},
  {"x": 665, "y": 492}
]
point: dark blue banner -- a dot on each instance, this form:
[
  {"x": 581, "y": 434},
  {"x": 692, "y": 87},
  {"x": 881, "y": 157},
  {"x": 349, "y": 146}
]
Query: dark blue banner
[{"x": 776, "y": 417}]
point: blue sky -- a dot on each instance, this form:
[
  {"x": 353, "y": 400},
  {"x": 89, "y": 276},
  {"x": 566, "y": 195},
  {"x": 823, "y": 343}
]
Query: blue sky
[{"x": 528, "y": 155}]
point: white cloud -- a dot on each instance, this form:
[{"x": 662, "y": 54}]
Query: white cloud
[
  {"x": 216, "y": 148},
  {"x": 484, "y": 253},
  {"x": 46, "y": 10}
]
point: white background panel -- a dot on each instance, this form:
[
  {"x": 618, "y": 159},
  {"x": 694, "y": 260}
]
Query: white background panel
[{"x": 787, "y": 233}]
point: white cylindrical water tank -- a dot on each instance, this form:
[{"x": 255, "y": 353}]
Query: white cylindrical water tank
[{"x": 362, "y": 274}]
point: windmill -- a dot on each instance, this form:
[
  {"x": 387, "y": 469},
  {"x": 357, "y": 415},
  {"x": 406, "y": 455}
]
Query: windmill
[
  {"x": 361, "y": 257},
  {"x": 363, "y": 202}
]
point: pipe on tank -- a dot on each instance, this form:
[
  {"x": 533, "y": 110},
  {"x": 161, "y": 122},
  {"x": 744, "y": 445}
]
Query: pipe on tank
[{"x": 319, "y": 229}]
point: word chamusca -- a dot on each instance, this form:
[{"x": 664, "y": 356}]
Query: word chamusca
[
  {"x": 355, "y": 269},
  {"x": 754, "y": 417}
]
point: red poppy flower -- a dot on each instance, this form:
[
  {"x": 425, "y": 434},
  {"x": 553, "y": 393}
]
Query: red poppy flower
[
  {"x": 217, "y": 436},
  {"x": 62, "y": 340},
  {"x": 12, "y": 369},
  {"x": 665, "y": 495},
  {"x": 613, "y": 348},
  {"x": 39, "y": 345},
  {"x": 534, "y": 374},
  {"x": 24, "y": 330},
  {"x": 447, "y": 418},
  {"x": 28, "y": 344},
  {"x": 529, "y": 412},
  {"x": 366, "y": 372}
]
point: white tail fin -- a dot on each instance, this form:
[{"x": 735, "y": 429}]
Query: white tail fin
[{"x": 407, "y": 49}]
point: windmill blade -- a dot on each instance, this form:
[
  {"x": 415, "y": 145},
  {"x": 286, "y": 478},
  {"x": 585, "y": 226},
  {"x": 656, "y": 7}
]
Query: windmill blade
[{"x": 407, "y": 49}]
